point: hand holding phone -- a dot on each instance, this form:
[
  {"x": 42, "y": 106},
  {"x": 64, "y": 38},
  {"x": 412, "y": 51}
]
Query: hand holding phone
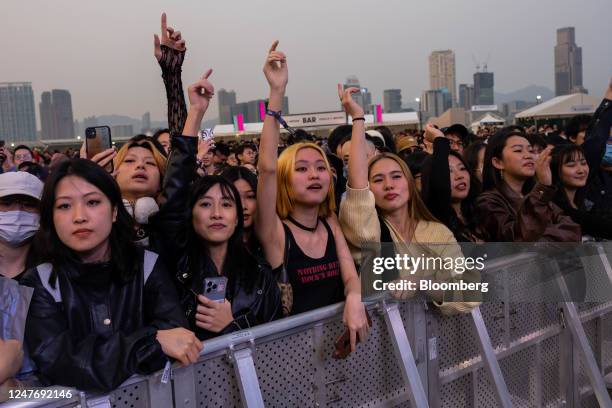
[
  {"x": 343, "y": 342},
  {"x": 97, "y": 141},
  {"x": 214, "y": 288}
]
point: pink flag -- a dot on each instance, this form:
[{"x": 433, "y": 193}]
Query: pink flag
[
  {"x": 240, "y": 120},
  {"x": 262, "y": 110},
  {"x": 379, "y": 113}
]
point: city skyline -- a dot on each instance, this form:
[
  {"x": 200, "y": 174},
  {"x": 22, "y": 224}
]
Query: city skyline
[{"x": 520, "y": 44}]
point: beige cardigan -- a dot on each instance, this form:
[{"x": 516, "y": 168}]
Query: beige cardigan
[{"x": 361, "y": 227}]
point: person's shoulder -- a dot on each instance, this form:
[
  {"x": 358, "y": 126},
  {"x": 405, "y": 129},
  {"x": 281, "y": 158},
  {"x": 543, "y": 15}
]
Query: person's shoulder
[{"x": 31, "y": 277}]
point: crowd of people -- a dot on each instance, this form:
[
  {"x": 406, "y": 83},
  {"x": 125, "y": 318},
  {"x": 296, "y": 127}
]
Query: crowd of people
[{"x": 118, "y": 259}]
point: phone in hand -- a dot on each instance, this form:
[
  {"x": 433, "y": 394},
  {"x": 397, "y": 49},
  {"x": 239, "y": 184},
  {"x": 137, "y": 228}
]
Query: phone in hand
[
  {"x": 214, "y": 288},
  {"x": 343, "y": 342},
  {"x": 97, "y": 140}
]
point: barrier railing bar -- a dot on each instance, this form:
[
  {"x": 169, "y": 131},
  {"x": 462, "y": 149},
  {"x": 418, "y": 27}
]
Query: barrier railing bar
[
  {"x": 605, "y": 262},
  {"x": 183, "y": 381},
  {"x": 490, "y": 359},
  {"x": 250, "y": 393},
  {"x": 404, "y": 355}
]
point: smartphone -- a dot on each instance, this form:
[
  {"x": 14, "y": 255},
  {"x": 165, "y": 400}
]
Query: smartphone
[
  {"x": 214, "y": 288},
  {"x": 97, "y": 140},
  {"x": 343, "y": 343},
  {"x": 207, "y": 134}
]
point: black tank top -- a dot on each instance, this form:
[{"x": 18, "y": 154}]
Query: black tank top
[{"x": 316, "y": 282}]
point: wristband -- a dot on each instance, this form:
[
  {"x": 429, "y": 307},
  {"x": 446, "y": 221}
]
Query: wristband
[{"x": 361, "y": 118}]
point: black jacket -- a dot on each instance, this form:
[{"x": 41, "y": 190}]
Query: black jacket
[
  {"x": 249, "y": 307},
  {"x": 599, "y": 188},
  {"x": 91, "y": 331}
]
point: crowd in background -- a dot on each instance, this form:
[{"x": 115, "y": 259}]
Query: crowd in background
[{"x": 119, "y": 247}]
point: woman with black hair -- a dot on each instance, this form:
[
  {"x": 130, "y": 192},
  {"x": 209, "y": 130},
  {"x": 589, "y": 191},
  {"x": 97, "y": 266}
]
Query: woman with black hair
[
  {"x": 517, "y": 202},
  {"x": 102, "y": 309},
  {"x": 474, "y": 158},
  {"x": 246, "y": 183},
  {"x": 449, "y": 188},
  {"x": 203, "y": 235},
  {"x": 570, "y": 172}
]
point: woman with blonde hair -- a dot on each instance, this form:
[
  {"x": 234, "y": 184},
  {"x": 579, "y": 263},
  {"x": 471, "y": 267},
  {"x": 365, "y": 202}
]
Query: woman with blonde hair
[
  {"x": 301, "y": 237},
  {"x": 382, "y": 204}
]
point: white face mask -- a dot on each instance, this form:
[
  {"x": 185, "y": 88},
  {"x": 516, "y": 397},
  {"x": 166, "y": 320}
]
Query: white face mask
[{"x": 18, "y": 226}]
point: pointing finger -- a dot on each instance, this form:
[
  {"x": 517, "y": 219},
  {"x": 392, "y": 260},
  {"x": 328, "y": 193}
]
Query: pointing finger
[
  {"x": 274, "y": 45},
  {"x": 207, "y": 73},
  {"x": 164, "y": 26}
]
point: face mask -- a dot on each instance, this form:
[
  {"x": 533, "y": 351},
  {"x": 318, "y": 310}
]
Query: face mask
[
  {"x": 607, "y": 159},
  {"x": 18, "y": 226}
]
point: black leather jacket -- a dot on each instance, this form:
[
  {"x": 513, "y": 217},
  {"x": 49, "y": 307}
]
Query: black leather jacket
[
  {"x": 92, "y": 331},
  {"x": 249, "y": 308}
]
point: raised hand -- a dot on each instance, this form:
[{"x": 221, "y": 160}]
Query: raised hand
[
  {"x": 169, "y": 38},
  {"x": 201, "y": 93},
  {"x": 275, "y": 69},
  {"x": 348, "y": 103},
  {"x": 542, "y": 167},
  {"x": 431, "y": 133}
]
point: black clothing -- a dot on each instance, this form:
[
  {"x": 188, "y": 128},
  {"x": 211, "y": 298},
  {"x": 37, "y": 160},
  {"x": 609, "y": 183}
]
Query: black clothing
[
  {"x": 257, "y": 305},
  {"x": 599, "y": 188},
  {"x": 315, "y": 282},
  {"x": 99, "y": 331},
  {"x": 171, "y": 62}
]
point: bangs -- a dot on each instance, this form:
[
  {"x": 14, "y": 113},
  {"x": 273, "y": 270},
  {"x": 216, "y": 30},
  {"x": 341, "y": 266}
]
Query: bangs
[{"x": 574, "y": 155}]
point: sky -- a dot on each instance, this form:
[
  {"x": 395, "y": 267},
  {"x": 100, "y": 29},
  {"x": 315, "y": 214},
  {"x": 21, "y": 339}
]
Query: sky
[{"x": 102, "y": 51}]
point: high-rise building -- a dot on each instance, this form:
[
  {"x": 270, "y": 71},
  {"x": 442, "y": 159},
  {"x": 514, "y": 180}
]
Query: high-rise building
[
  {"x": 241, "y": 108},
  {"x": 17, "y": 112},
  {"x": 48, "y": 128},
  {"x": 466, "y": 96},
  {"x": 253, "y": 113},
  {"x": 123, "y": 131},
  {"x": 483, "y": 88},
  {"x": 146, "y": 122},
  {"x": 286, "y": 105},
  {"x": 364, "y": 98},
  {"x": 90, "y": 121},
  {"x": 56, "y": 119},
  {"x": 227, "y": 100},
  {"x": 392, "y": 100},
  {"x": 568, "y": 63},
  {"x": 442, "y": 71},
  {"x": 432, "y": 102}
]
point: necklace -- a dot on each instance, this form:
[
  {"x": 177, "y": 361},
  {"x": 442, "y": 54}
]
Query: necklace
[{"x": 301, "y": 226}]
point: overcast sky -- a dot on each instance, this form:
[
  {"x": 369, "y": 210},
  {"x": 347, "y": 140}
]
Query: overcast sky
[{"x": 103, "y": 51}]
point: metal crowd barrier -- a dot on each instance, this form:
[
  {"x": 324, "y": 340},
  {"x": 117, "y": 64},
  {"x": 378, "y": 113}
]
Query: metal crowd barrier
[{"x": 502, "y": 354}]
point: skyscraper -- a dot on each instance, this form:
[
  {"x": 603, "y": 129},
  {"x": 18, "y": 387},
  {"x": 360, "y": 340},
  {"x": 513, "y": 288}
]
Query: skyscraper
[
  {"x": 568, "y": 63},
  {"x": 253, "y": 115},
  {"x": 146, "y": 122},
  {"x": 442, "y": 71},
  {"x": 435, "y": 102},
  {"x": 364, "y": 98},
  {"x": 56, "y": 119},
  {"x": 483, "y": 88},
  {"x": 466, "y": 96},
  {"x": 17, "y": 112},
  {"x": 392, "y": 100},
  {"x": 227, "y": 100}
]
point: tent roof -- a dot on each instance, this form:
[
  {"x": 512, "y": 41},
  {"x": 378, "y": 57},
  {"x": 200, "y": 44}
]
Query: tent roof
[
  {"x": 565, "y": 105},
  {"x": 488, "y": 118}
]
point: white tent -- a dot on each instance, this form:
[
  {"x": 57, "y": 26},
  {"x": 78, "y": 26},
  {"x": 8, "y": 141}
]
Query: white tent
[
  {"x": 562, "y": 106},
  {"x": 488, "y": 119}
]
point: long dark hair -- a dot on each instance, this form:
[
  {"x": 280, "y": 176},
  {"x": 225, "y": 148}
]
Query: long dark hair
[
  {"x": 233, "y": 174},
  {"x": 491, "y": 177},
  {"x": 561, "y": 155},
  {"x": 470, "y": 154},
  {"x": 124, "y": 253},
  {"x": 239, "y": 266}
]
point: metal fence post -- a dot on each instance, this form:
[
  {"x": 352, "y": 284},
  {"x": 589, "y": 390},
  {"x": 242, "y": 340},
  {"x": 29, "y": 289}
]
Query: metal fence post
[
  {"x": 490, "y": 359},
  {"x": 404, "y": 355},
  {"x": 250, "y": 393},
  {"x": 184, "y": 387}
]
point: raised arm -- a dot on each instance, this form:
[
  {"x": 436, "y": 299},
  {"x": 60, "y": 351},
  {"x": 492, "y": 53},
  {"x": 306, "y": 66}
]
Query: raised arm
[
  {"x": 358, "y": 159},
  {"x": 598, "y": 132},
  {"x": 170, "y": 53},
  {"x": 436, "y": 183},
  {"x": 268, "y": 226}
]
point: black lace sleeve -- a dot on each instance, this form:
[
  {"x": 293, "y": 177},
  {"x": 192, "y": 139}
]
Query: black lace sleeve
[{"x": 171, "y": 63}]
